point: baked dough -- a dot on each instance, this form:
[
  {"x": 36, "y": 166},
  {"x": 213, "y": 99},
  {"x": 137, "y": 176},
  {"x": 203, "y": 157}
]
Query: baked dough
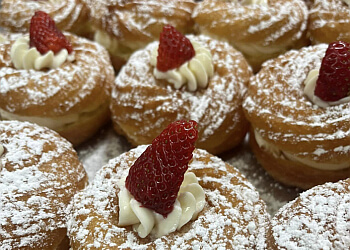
[
  {"x": 260, "y": 32},
  {"x": 142, "y": 106},
  {"x": 329, "y": 21},
  {"x": 40, "y": 173},
  {"x": 308, "y": 144},
  {"x": 318, "y": 219},
  {"x": 234, "y": 216},
  {"x": 72, "y": 99}
]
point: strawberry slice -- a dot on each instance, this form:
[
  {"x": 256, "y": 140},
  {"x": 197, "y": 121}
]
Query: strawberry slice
[
  {"x": 45, "y": 36},
  {"x": 333, "y": 82},
  {"x": 156, "y": 176},
  {"x": 174, "y": 49}
]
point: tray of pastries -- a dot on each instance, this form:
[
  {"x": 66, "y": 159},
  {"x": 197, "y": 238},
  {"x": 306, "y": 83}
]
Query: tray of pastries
[{"x": 175, "y": 124}]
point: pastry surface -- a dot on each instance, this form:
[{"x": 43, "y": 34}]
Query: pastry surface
[
  {"x": 142, "y": 106},
  {"x": 234, "y": 216},
  {"x": 259, "y": 31},
  {"x": 41, "y": 172}
]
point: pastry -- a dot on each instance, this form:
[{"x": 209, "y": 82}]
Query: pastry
[
  {"x": 126, "y": 26},
  {"x": 39, "y": 174},
  {"x": 329, "y": 21},
  {"x": 65, "y": 88},
  {"x": 318, "y": 219},
  {"x": 206, "y": 86},
  {"x": 260, "y": 29},
  {"x": 299, "y": 109},
  {"x": 215, "y": 208},
  {"x": 69, "y": 15}
]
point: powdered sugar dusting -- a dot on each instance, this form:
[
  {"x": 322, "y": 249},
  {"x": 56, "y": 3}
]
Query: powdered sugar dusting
[
  {"x": 318, "y": 219},
  {"x": 220, "y": 225},
  {"x": 56, "y": 91},
  {"x": 35, "y": 163},
  {"x": 137, "y": 90},
  {"x": 67, "y": 14},
  {"x": 276, "y": 97}
]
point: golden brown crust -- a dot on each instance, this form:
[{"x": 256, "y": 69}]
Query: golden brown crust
[
  {"x": 294, "y": 173},
  {"x": 41, "y": 174},
  {"x": 329, "y": 21},
  {"x": 69, "y": 15},
  {"x": 142, "y": 106},
  {"x": 222, "y": 223},
  {"x": 259, "y": 32}
]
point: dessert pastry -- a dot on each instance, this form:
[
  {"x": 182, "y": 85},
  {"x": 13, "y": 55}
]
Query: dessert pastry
[
  {"x": 39, "y": 174},
  {"x": 64, "y": 87},
  {"x": 203, "y": 81},
  {"x": 299, "y": 118},
  {"x": 126, "y": 26},
  {"x": 329, "y": 21},
  {"x": 260, "y": 29},
  {"x": 213, "y": 207},
  {"x": 317, "y": 219},
  {"x": 69, "y": 15}
]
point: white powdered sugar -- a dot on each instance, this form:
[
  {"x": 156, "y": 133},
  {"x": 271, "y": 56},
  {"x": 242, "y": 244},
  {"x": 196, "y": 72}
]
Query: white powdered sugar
[
  {"x": 318, "y": 219},
  {"x": 92, "y": 221},
  {"x": 35, "y": 163},
  {"x": 56, "y": 91},
  {"x": 276, "y": 19},
  {"x": 137, "y": 89},
  {"x": 65, "y": 13},
  {"x": 276, "y": 96}
]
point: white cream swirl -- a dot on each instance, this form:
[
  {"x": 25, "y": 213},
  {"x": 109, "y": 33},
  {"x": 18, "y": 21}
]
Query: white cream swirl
[
  {"x": 111, "y": 44},
  {"x": 2, "y": 39},
  {"x": 309, "y": 91},
  {"x": 24, "y": 57},
  {"x": 196, "y": 72},
  {"x": 278, "y": 153},
  {"x": 190, "y": 201},
  {"x": 1, "y": 152}
]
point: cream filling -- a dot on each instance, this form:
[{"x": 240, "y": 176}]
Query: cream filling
[
  {"x": 24, "y": 57},
  {"x": 258, "y": 2},
  {"x": 196, "y": 72},
  {"x": 255, "y": 50},
  {"x": 55, "y": 123},
  {"x": 2, "y": 39},
  {"x": 278, "y": 153},
  {"x": 309, "y": 91},
  {"x": 190, "y": 201},
  {"x": 1, "y": 152}
]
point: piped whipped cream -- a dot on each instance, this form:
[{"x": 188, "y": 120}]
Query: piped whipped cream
[
  {"x": 1, "y": 152},
  {"x": 24, "y": 57},
  {"x": 309, "y": 91},
  {"x": 110, "y": 43},
  {"x": 2, "y": 39},
  {"x": 196, "y": 72},
  {"x": 278, "y": 153},
  {"x": 190, "y": 201},
  {"x": 249, "y": 2}
]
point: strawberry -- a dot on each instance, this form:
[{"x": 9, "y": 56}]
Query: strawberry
[
  {"x": 45, "y": 36},
  {"x": 174, "y": 49},
  {"x": 156, "y": 176},
  {"x": 333, "y": 82}
]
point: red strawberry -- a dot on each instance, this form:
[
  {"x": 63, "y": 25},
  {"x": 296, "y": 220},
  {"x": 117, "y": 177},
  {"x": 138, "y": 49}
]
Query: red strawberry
[
  {"x": 45, "y": 36},
  {"x": 174, "y": 49},
  {"x": 156, "y": 176},
  {"x": 333, "y": 82}
]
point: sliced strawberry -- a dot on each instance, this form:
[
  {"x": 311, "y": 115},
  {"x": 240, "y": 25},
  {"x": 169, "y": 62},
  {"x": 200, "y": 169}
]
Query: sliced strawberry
[
  {"x": 45, "y": 36},
  {"x": 156, "y": 176},
  {"x": 174, "y": 49},
  {"x": 333, "y": 82}
]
